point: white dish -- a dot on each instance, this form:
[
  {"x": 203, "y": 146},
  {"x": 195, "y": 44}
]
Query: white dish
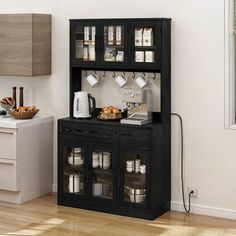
[{"x": 77, "y": 161}]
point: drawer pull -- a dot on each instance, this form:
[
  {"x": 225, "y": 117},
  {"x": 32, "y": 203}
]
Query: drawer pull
[
  {"x": 2, "y": 132},
  {"x": 7, "y": 163}
]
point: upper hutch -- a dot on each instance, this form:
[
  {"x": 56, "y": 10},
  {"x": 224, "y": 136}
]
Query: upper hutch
[{"x": 93, "y": 155}]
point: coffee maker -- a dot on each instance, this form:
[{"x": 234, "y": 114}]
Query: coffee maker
[{"x": 138, "y": 103}]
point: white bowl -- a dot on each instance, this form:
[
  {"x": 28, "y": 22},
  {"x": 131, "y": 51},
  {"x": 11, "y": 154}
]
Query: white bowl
[
  {"x": 138, "y": 198},
  {"x": 130, "y": 169},
  {"x": 104, "y": 167},
  {"x": 77, "y": 161},
  {"x": 77, "y": 150}
]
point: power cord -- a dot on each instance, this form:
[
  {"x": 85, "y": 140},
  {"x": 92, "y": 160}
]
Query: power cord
[{"x": 182, "y": 166}]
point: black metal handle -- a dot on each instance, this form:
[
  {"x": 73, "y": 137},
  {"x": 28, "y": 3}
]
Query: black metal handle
[{"x": 91, "y": 108}]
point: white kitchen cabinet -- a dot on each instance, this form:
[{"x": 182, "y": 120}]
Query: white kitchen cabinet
[{"x": 26, "y": 158}]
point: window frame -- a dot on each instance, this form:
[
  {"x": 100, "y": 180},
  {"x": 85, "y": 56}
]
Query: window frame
[{"x": 229, "y": 65}]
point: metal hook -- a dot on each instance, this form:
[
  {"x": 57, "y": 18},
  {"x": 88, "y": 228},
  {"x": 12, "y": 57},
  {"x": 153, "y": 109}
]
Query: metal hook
[
  {"x": 144, "y": 74},
  {"x": 104, "y": 74},
  {"x": 123, "y": 73},
  {"x": 85, "y": 73},
  {"x": 133, "y": 76},
  {"x": 154, "y": 76},
  {"x": 114, "y": 74},
  {"x": 95, "y": 72}
]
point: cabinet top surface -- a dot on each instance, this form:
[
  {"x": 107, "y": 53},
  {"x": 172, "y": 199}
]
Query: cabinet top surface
[
  {"x": 123, "y": 19},
  {"x": 94, "y": 121},
  {"x": 9, "y": 122}
]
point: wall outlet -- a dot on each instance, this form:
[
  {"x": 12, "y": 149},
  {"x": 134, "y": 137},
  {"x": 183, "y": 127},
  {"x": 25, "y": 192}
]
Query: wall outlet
[{"x": 195, "y": 192}]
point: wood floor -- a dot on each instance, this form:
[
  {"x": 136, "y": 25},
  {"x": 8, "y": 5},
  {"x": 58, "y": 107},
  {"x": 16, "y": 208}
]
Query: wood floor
[{"x": 42, "y": 216}]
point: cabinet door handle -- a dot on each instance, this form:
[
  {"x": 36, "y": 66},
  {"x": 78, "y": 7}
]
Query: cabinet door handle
[
  {"x": 6, "y": 163},
  {"x": 4, "y": 132}
]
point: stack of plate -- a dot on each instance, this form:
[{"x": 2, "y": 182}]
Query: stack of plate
[
  {"x": 76, "y": 158},
  {"x": 105, "y": 160}
]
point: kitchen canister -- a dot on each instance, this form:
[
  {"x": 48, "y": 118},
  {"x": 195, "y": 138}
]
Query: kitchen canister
[{"x": 74, "y": 183}]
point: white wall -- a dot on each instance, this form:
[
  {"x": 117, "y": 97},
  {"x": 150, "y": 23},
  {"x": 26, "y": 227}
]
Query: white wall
[{"x": 197, "y": 85}]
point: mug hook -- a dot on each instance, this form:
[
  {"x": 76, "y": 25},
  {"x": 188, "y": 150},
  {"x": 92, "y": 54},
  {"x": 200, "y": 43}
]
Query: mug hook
[
  {"x": 104, "y": 74},
  {"x": 154, "y": 76},
  {"x": 133, "y": 76}
]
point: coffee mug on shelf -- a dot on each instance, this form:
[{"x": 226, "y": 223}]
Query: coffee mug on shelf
[
  {"x": 92, "y": 80},
  {"x": 121, "y": 80},
  {"x": 141, "y": 82}
]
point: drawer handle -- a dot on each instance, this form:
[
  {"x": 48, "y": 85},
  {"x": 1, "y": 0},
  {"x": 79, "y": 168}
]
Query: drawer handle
[
  {"x": 2, "y": 132},
  {"x": 7, "y": 163}
]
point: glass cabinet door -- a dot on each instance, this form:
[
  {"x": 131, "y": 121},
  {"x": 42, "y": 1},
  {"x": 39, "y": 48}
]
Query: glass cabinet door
[
  {"x": 85, "y": 37},
  {"x": 134, "y": 168},
  {"x": 145, "y": 43},
  {"x": 102, "y": 173},
  {"x": 74, "y": 170},
  {"x": 114, "y": 43}
]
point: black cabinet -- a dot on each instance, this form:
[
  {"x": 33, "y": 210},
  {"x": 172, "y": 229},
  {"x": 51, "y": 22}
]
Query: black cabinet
[
  {"x": 123, "y": 43},
  {"x": 110, "y": 172},
  {"x": 108, "y": 166}
]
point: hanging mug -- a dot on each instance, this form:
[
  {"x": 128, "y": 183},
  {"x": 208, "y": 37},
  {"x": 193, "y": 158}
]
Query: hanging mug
[
  {"x": 141, "y": 82},
  {"x": 92, "y": 80},
  {"x": 121, "y": 81}
]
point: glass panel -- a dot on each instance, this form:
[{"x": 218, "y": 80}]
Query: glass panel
[
  {"x": 114, "y": 43},
  {"x": 134, "y": 177},
  {"x": 144, "y": 45},
  {"x": 85, "y": 43},
  {"x": 102, "y": 181},
  {"x": 74, "y": 170}
]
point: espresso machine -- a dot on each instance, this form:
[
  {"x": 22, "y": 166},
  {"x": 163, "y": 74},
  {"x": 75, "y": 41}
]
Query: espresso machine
[{"x": 138, "y": 103}]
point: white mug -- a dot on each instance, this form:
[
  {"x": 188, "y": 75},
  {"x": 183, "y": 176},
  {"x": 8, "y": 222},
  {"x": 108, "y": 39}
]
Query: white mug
[
  {"x": 141, "y": 82},
  {"x": 92, "y": 80},
  {"x": 121, "y": 80}
]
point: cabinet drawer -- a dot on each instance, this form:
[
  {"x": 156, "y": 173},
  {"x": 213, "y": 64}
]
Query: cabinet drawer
[
  {"x": 7, "y": 143},
  {"x": 134, "y": 136},
  {"x": 9, "y": 179},
  {"x": 89, "y": 132}
]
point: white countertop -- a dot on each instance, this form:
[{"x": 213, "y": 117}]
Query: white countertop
[{"x": 11, "y": 123}]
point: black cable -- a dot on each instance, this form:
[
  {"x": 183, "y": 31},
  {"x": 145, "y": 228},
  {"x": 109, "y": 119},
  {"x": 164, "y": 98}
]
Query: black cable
[{"x": 182, "y": 166}]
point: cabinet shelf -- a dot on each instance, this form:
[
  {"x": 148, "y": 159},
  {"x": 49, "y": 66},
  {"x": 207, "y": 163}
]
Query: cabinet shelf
[
  {"x": 71, "y": 169},
  {"x": 145, "y": 48},
  {"x": 100, "y": 171}
]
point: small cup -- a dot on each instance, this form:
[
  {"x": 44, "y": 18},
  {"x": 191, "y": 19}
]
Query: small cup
[
  {"x": 92, "y": 80},
  {"x": 142, "y": 169},
  {"x": 141, "y": 82},
  {"x": 121, "y": 80}
]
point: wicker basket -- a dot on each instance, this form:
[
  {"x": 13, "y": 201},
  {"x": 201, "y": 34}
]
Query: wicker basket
[{"x": 23, "y": 115}]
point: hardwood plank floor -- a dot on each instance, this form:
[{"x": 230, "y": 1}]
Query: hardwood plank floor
[{"x": 43, "y": 216}]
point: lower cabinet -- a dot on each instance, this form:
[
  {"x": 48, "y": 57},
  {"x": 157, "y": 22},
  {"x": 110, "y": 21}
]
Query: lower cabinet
[
  {"x": 26, "y": 158},
  {"x": 115, "y": 176}
]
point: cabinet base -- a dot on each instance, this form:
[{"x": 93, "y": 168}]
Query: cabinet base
[{"x": 118, "y": 210}]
